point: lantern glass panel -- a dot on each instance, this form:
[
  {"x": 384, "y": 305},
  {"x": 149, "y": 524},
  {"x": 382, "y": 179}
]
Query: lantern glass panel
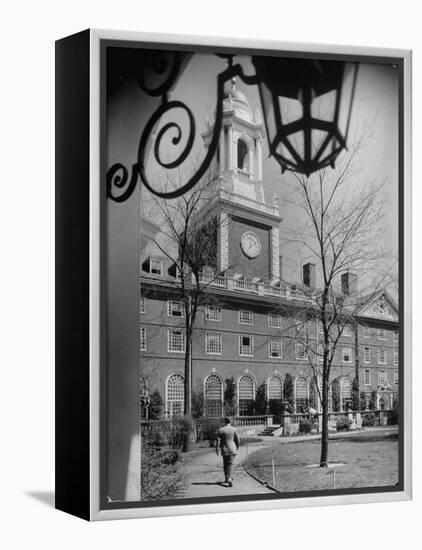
[
  {"x": 298, "y": 143},
  {"x": 285, "y": 153},
  {"x": 346, "y": 97},
  {"x": 290, "y": 109},
  {"x": 318, "y": 137},
  {"x": 270, "y": 115},
  {"x": 323, "y": 106}
]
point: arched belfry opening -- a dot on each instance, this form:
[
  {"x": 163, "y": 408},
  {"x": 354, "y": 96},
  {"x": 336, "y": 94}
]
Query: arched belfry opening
[{"x": 242, "y": 155}]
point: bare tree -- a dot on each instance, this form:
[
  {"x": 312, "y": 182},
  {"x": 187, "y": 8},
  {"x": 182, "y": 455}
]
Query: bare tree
[
  {"x": 188, "y": 239},
  {"x": 341, "y": 234}
]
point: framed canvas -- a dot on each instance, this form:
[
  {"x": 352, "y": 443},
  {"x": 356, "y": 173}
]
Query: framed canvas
[{"x": 233, "y": 275}]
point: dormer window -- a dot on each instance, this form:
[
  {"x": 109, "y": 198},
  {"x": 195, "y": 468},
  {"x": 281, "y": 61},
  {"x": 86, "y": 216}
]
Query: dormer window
[{"x": 154, "y": 266}]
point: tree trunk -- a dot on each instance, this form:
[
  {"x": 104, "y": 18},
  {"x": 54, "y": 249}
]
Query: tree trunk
[
  {"x": 323, "y": 462},
  {"x": 187, "y": 440}
]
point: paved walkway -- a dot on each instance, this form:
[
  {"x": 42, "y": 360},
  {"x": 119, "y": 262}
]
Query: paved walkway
[
  {"x": 204, "y": 472},
  {"x": 204, "y": 469}
]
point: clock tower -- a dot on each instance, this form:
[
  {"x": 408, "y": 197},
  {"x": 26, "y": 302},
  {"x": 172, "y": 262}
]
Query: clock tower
[{"x": 248, "y": 230}]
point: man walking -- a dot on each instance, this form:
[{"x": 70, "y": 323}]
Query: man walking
[{"x": 228, "y": 443}]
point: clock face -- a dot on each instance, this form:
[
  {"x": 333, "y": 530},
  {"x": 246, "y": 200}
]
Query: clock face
[{"x": 250, "y": 244}]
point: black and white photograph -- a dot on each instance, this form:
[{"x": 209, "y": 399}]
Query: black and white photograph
[
  {"x": 253, "y": 283},
  {"x": 210, "y": 276}
]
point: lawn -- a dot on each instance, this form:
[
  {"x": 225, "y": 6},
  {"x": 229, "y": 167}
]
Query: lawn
[{"x": 368, "y": 460}]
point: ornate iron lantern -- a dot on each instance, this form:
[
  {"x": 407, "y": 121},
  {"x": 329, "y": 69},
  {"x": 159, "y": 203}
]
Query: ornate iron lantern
[{"x": 307, "y": 106}]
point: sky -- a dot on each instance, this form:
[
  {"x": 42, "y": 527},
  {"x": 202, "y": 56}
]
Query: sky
[{"x": 375, "y": 107}]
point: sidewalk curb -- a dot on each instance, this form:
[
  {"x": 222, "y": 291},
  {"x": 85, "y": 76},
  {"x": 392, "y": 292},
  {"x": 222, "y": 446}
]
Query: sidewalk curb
[
  {"x": 264, "y": 483},
  {"x": 333, "y": 435}
]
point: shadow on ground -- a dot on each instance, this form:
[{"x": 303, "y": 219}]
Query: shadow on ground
[
  {"x": 45, "y": 497},
  {"x": 220, "y": 483}
]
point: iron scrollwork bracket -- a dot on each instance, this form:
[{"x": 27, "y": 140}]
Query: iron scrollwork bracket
[{"x": 169, "y": 66}]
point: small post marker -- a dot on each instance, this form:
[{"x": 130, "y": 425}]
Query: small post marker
[
  {"x": 272, "y": 462},
  {"x": 334, "y": 477}
]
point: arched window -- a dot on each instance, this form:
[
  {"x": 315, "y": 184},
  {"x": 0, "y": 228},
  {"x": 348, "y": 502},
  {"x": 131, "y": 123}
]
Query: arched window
[
  {"x": 275, "y": 394},
  {"x": 301, "y": 395},
  {"x": 246, "y": 395},
  {"x": 242, "y": 155},
  {"x": 175, "y": 393},
  {"x": 213, "y": 405},
  {"x": 345, "y": 394}
]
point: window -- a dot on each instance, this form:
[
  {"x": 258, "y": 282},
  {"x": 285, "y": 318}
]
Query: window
[
  {"x": 347, "y": 330},
  {"x": 320, "y": 328},
  {"x": 275, "y": 394},
  {"x": 396, "y": 358},
  {"x": 366, "y": 331},
  {"x": 246, "y": 345},
  {"x": 213, "y": 343},
  {"x": 381, "y": 357},
  {"x": 175, "y": 309},
  {"x": 274, "y": 320},
  {"x": 245, "y": 317},
  {"x": 347, "y": 355},
  {"x": 396, "y": 377},
  {"x": 367, "y": 377},
  {"x": 246, "y": 395},
  {"x": 367, "y": 355},
  {"x": 275, "y": 388},
  {"x": 345, "y": 394},
  {"x": 213, "y": 313},
  {"x": 176, "y": 340},
  {"x": 275, "y": 348},
  {"x": 300, "y": 350},
  {"x": 242, "y": 152},
  {"x": 175, "y": 393},
  {"x": 381, "y": 334},
  {"x": 142, "y": 339},
  {"x": 301, "y": 395},
  {"x": 156, "y": 266},
  {"x": 382, "y": 378},
  {"x": 213, "y": 405},
  {"x": 396, "y": 335},
  {"x": 143, "y": 306}
]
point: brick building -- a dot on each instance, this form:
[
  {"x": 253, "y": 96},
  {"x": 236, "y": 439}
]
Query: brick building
[{"x": 249, "y": 331}]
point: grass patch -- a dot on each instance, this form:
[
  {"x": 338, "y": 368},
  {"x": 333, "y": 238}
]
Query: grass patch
[{"x": 370, "y": 460}]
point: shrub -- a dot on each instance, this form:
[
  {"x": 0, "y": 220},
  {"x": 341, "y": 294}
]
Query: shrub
[
  {"x": 230, "y": 407},
  {"x": 208, "y": 429},
  {"x": 197, "y": 404},
  {"x": 155, "y": 405},
  {"x": 161, "y": 477},
  {"x": 343, "y": 424},
  {"x": 393, "y": 417},
  {"x": 356, "y": 402},
  {"x": 166, "y": 433},
  {"x": 289, "y": 389},
  {"x": 305, "y": 426},
  {"x": 260, "y": 404},
  {"x": 369, "y": 419}
]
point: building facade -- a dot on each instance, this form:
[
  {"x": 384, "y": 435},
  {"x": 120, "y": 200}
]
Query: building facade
[{"x": 253, "y": 333}]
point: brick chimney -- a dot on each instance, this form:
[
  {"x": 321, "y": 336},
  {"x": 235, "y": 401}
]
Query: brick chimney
[
  {"x": 349, "y": 283},
  {"x": 309, "y": 275}
]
